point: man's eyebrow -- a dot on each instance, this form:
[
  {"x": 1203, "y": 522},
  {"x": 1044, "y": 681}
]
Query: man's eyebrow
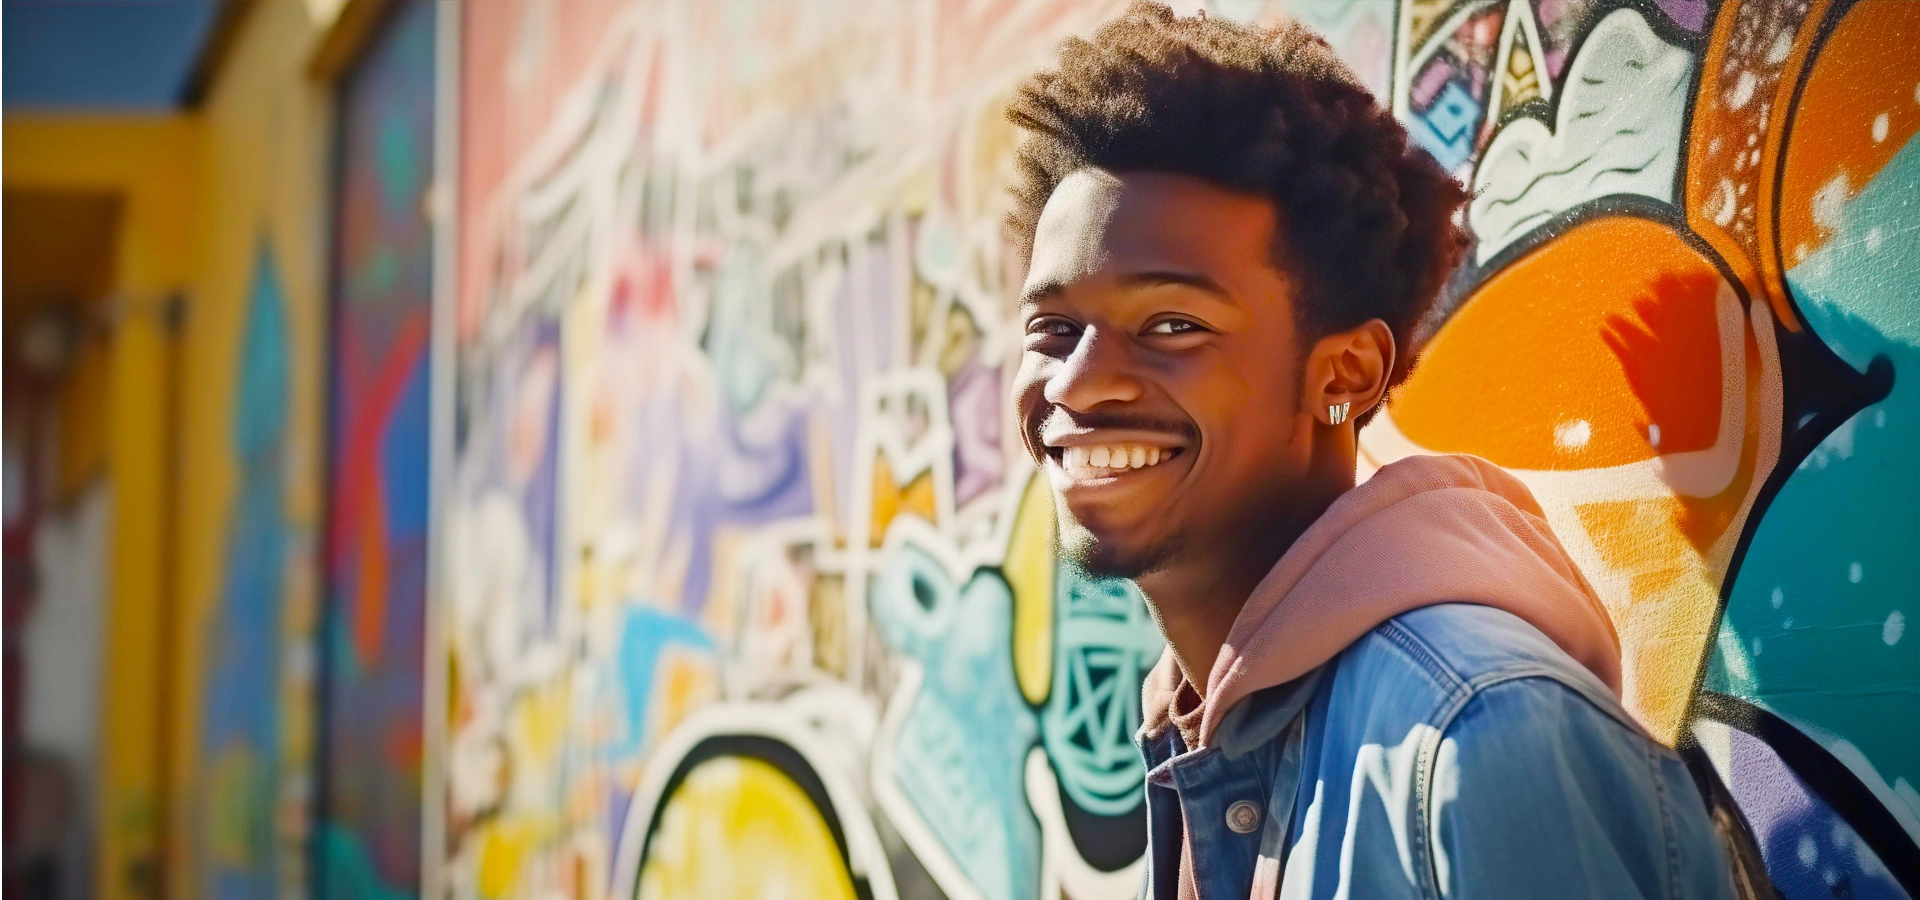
[
  {"x": 1047, "y": 290},
  {"x": 1156, "y": 278},
  {"x": 1044, "y": 290}
]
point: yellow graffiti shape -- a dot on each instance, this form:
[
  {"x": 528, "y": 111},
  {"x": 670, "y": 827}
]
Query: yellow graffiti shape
[
  {"x": 504, "y": 848},
  {"x": 1663, "y": 601},
  {"x": 540, "y": 722},
  {"x": 1029, "y": 571},
  {"x": 687, "y": 682},
  {"x": 738, "y": 827},
  {"x": 890, "y": 499},
  {"x": 236, "y": 801}
]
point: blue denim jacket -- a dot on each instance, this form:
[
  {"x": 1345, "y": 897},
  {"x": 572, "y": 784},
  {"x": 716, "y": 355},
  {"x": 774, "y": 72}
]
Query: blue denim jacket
[{"x": 1454, "y": 751}]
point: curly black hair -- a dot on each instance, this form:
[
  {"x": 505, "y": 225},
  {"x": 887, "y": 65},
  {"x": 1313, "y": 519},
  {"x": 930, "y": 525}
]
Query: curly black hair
[{"x": 1367, "y": 220}]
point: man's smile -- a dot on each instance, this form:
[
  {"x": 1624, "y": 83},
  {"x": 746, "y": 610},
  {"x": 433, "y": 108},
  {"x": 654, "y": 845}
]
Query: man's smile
[
  {"x": 1083, "y": 459},
  {"x": 1102, "y": 460},
  {"x": 1079, "y": 455}
]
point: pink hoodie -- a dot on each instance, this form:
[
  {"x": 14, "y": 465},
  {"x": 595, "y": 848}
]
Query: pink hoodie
[{"x": 1422, "y": 531}]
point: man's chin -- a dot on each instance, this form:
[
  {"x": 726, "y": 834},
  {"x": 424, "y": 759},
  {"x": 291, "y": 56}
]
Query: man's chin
[{"x": 1081, "y": 549}]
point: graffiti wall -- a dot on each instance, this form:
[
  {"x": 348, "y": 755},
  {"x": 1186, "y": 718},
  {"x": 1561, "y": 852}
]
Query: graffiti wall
[
  {"x": 749, "y": 582},
  {"x": 1689, "y": 322},
  {"x": 240, "y": 722},
  {"x": 373, "y": 626},
  {"x": 239, "y": 426}
]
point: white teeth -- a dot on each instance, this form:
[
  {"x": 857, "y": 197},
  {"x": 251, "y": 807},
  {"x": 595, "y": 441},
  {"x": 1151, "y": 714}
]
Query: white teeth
[{"x": 1112, "y": 457}]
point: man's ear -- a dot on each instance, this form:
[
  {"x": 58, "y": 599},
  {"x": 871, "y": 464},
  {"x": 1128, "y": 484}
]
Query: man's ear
[{"x": 1348, "y": 367}]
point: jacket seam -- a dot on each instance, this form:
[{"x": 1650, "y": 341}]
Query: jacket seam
[
  {"x": 1456, "y": 692},
  {"x": 1423, "y": 798},
  {"x": 1667, "y": 831},
  {"x": 1478, "y": 686},
  {"x": 1424, "y": 656},
  {"x": 1526, "y": 671},
  {"x": 1423, "y": 786}
]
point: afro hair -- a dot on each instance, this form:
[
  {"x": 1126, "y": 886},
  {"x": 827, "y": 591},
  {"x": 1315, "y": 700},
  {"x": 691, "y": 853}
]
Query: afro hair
[{"x": 1367, "y": 220}]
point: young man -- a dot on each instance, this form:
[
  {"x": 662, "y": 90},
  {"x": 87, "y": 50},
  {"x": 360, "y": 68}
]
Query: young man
[{"x": 1400, "y": 689}]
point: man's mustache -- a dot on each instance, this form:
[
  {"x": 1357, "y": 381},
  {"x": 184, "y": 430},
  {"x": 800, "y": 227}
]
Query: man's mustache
[{"x": 1062, "y": 418}]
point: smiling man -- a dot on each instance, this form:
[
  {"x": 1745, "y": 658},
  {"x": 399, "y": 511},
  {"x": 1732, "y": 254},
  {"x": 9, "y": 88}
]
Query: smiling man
[{"x": 1399, "y": 689}]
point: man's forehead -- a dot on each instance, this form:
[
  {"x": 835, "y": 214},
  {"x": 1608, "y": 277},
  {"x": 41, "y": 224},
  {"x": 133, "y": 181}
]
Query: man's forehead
[
  {"x": 1150, "y": 219},
  {"x": 1067, "y": 240}
]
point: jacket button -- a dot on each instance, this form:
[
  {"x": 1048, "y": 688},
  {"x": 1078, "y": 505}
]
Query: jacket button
[{"x": 1243, "y": 817}]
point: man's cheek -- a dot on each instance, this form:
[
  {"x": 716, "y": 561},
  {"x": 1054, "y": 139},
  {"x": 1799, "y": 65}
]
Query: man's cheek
[
  {"x": 1025, "y": 384},
  {"x": 1068, "y": 532},
  {"x": 1029, "y": 404}
]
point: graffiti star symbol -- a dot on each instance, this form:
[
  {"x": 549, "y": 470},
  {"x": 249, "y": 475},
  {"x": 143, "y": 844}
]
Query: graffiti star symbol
[{"x": 1099, "y": 715}]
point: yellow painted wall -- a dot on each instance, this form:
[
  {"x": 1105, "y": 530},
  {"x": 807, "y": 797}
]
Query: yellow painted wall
[
  {"x": 153, "y": 163},
  {"x": 204, "y": 191},
  {"x": 265, "y": 144}
]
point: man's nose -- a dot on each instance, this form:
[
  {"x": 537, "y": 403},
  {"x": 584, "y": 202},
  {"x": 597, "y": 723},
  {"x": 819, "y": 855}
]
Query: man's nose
[{"x": 1099, "y": 371}]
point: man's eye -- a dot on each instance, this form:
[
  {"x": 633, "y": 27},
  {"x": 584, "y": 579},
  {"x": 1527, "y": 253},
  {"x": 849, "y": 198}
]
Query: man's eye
[
  {"x": 1051, "y": 326},
  {"x": 1172, "y": 326}
]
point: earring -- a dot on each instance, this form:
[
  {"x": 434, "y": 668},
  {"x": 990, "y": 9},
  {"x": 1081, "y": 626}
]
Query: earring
[{"x": 1337, "y": 413}]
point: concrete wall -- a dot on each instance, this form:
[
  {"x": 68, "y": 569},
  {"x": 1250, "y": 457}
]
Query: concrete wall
[{"x": 747, "y": 578}]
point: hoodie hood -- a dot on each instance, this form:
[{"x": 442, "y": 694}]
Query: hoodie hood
[{"x": 1422, "y": 531}]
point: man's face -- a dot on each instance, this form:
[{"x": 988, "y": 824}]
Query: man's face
[{"x": 1159, "y": 389}]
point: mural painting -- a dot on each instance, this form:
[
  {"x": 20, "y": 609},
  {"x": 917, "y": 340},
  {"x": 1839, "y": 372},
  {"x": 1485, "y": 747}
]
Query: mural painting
[
  {"x": 373, "y": 634},
  {"x": 1689, "y": 323},
  {"x": 240, "y": 730},
  {"x": 752, "y": 586}
]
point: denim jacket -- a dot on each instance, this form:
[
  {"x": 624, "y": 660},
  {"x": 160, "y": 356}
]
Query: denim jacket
[{"x": 1453, "y": 751}]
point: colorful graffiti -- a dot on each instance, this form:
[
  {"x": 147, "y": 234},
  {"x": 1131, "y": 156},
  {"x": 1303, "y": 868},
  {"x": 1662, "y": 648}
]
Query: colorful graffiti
[
  {"x": 752, "y": 585},
  {"x": 238, "y": 836},
  {"x": 1685, "y": 324},
  {"x": 373, "y": 633}
]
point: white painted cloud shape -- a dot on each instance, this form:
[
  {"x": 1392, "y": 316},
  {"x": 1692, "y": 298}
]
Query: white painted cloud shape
[{"x": 1618, "y": 132}]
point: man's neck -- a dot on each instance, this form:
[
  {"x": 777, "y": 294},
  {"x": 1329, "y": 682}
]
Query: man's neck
[{"x": 1198, "y": 595}]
